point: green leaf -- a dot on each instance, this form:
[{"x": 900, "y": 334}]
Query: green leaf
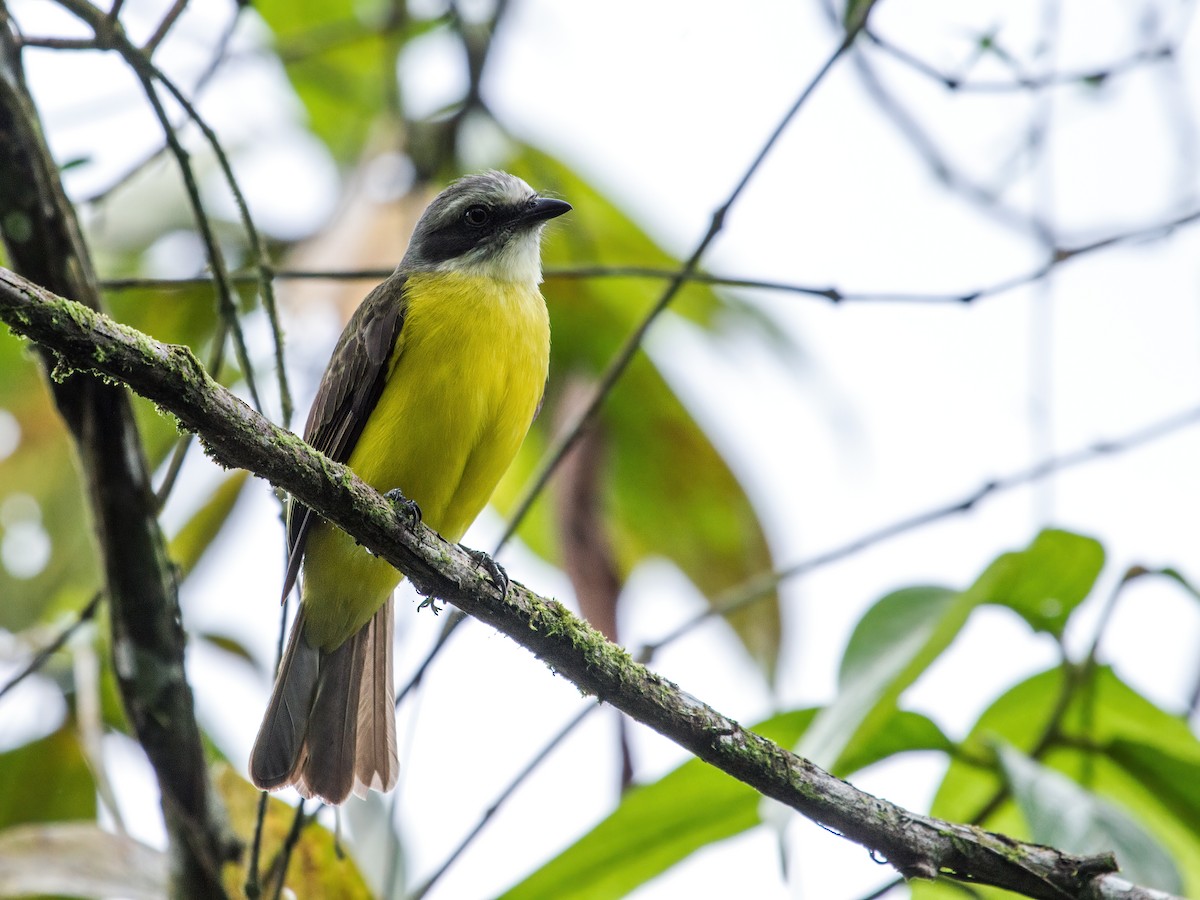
[
  {"x": 40, "y": 486},
  {"x": 232, "y": 646},
  {"x": 1062, "y": 814},
  {"x": 340, "y": 57},
  {"x": 46, "y": 780},
  {"x": 903, "y": 633},
  {"x": 1173, "y": 779},
  {"x": 1102, "y": 713},
  {"x": 79, "y": 859},
  {"x": 666, "y": 490},
  {"x": 319, "y": 866},
  {"x": 198, "y": 533},
  {"x": 656, "y": 826},
  {"x": 1045, "y": 582},
  {"x": 904, "y": 732},
  {"x": 184, "y": 314},
  {"x": 40, "y": 489},
  {"x": 891, "y": 646}
]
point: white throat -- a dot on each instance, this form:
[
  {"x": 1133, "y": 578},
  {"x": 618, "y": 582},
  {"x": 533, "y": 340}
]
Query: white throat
[{"x": 519, "y": 261}]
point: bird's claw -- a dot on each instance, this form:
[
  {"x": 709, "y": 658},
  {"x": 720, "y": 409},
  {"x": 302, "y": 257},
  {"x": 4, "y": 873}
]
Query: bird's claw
[
  {"x": 407, "y": 508},
  {"x": 493, "y": 569},
  {"x": 431, "y": 603}
]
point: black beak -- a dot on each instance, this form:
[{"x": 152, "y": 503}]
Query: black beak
[{"x": 542, "y": 208}]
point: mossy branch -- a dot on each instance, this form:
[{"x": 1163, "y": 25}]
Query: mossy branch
[
  {"x": 42, "y": 238},
  {"x": 236, "y": 436}
]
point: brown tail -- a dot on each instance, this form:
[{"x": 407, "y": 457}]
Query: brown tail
[{"x": 330, "y": 727}]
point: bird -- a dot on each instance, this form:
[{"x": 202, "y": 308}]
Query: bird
[{"x": 429, "y": 392}]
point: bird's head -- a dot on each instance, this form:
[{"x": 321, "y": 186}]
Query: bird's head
[{"x": 488, "y": 224}]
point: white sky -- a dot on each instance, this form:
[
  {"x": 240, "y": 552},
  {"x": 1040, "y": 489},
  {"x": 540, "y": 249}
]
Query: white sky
[{"x": 894, "y": 409}]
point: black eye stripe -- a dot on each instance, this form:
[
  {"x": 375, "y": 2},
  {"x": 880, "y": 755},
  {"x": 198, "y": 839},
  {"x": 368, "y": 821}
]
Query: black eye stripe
[{"x": 455, "y": 235}]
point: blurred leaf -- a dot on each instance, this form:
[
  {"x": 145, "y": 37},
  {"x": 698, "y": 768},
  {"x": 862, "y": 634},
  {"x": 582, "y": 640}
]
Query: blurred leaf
[
  {"x": 891, "y": 646},
  {"x": 856, "y": 13},
  {"x": 198, "y": 533},
  {"x": 666, "y": 491},
  {"x": 1062, "y": 814},
  {"x": 1177, "y": 576},
  {"x": 660, "y": 824},
  {"x": 1103, "y": 713},
  {"x": 40, "y": 485},
  {"x": 1045, "y": 582},
  {"x": 186, "y": 315},
  {"x": 340, "y": 56},
  {"x": 46, "y": 780},
  {"x": 41, "y": 473},
  {"x": 316, "y": 868},
  {"x": 112, "y": 705},
  {"x": 81, "y": 860},
  {"x": 902, "y": 634},
  {"x": 231, "y": 646},
  {"x": 656, "y": 826},
  {"x": 903, "y": 732},
  {"x": 372, "y": 825},
  {"x": 1174, "y": 780}
]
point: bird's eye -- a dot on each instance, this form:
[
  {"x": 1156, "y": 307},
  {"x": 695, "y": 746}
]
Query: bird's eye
[{"x": 477, "y": 216}]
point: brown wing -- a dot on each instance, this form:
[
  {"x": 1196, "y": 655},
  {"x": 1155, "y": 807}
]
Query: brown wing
[{"x": 349, "y": 390}]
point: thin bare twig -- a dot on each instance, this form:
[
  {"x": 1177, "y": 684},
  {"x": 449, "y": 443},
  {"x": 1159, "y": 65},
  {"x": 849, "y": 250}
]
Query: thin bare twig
[
  {"x": 43, "y": 656},
  {"x": 115, "y": 38},
  {"x": 265, "y": 285},
  {"x": 503, "y": 797},
  {"x": 164, "y": 27},
  {"x": 763, "y": 586},
  {"x": 253, "y": 887},
  {"x": 59, "y": 43},
  {"x": 633, "y": 343},
  {"x": 147, "y": 73},
  {"x": 832, "y": 294},
  {"x": 986, "y": 198},
  {"x": 1095, "y": 77},
  {"x": 220, "y": 54},
  {"x": 280, "y": 865}
]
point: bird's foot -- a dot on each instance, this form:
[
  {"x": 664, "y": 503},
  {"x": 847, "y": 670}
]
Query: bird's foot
[
  {"x": 493, "y": 569},
  {"x": 431, "y": 603},
  {"x": 407, "y": 508}
]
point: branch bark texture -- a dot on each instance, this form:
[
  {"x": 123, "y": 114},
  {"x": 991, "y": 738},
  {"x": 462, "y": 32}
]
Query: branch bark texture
[
  {"x": 43, "y": 240},
  {"x": 235, "y": 436}
]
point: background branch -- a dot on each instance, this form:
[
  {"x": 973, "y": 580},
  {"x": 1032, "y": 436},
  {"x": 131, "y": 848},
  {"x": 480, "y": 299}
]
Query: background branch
[{"x": 43, "y": 240}]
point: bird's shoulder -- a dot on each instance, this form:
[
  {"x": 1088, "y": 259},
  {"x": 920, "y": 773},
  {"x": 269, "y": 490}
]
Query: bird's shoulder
[{"x": 350, "y": 384}]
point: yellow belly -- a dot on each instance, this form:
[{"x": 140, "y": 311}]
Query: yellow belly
[{"x": 466, "y": 376}]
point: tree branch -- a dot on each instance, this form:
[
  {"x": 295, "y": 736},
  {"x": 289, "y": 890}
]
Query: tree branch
[
  {"x": 42, "y": 237},
  {"x": 234, "y": 435}
]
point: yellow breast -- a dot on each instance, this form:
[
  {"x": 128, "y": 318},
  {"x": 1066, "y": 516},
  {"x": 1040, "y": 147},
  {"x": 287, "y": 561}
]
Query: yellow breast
[{"x": 465, "y": 379}]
